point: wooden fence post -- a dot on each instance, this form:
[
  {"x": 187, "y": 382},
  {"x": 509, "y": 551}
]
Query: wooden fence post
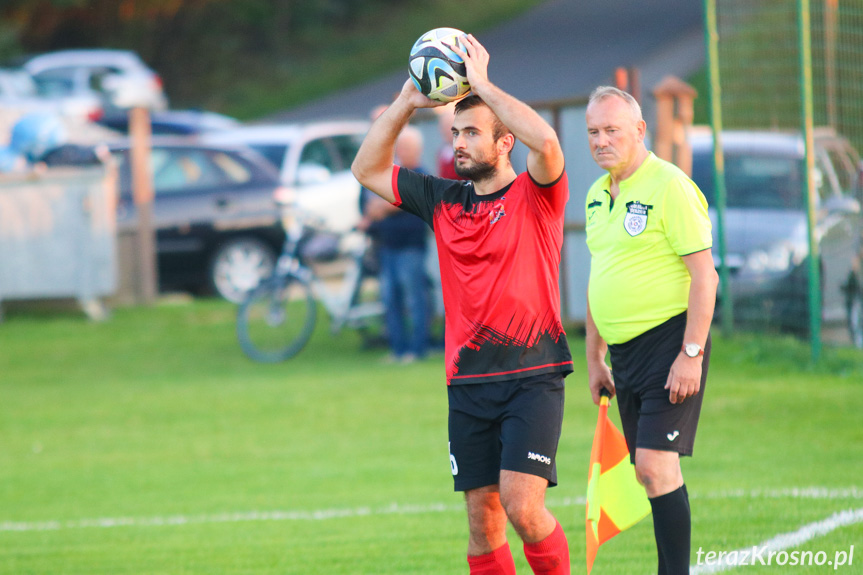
[{"x": 140, "y": 131}]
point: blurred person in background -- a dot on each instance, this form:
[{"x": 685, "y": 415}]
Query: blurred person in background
[
  {"x": 32, "y": 136},
  {"x": 400, "y": 238}
]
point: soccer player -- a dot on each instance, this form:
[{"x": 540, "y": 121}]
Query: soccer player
[
  {"x": 499, "y": 237},
  {"x": 651, "y": 294}
]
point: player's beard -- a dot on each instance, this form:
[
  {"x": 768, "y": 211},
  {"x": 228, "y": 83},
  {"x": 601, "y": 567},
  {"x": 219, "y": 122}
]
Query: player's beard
[{"x": 479, "y": 170}]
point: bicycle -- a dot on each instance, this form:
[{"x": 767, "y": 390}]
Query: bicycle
[{"x": 276, "y": 319}]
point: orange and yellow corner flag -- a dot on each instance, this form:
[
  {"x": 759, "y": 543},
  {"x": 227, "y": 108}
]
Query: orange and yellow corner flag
[{"x": 615, "y": 499}]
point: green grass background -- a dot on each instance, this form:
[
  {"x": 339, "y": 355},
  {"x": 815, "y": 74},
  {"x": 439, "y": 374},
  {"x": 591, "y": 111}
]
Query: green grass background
[{"x": 156, "y": 414}]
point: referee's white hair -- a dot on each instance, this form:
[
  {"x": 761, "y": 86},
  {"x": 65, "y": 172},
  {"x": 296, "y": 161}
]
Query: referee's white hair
[{"x": 603, "y": 92}]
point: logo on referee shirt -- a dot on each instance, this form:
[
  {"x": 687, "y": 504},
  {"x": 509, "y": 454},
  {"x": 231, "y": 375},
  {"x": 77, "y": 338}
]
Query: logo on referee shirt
[{"x": 635, "y": 220}]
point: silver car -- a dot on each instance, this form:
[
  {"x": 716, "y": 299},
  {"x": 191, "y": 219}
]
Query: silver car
[
  {"x": 766, "y": 230},
  {"x": 313, "y": 161}
]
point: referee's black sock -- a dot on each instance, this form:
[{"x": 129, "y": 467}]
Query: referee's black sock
[{"x": 672, "y": 526}]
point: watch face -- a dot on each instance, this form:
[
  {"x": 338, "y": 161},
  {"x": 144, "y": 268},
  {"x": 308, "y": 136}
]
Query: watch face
[{"x": 692, "y": 349}]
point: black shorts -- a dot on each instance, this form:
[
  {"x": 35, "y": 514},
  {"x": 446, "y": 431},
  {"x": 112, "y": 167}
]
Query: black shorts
[
  {"x": 640, "y": 369},
  {"x": 513, "y": 425}
]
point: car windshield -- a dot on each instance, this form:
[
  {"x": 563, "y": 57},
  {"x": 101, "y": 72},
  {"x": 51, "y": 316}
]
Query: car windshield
[
  {"x": 275, "y": 154},
  {"x": 753, "y": 180}
]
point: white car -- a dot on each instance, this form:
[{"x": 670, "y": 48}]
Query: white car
[
  {"x": 118, "y": 77},
  {"x": 314, "y": 163},
  {"x": 18, "y": 90},
  {"x": 20, "y": 97}
]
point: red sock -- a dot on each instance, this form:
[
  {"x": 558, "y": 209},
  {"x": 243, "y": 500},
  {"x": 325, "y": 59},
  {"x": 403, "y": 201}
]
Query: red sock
[
  {"x": 498, "y": 562},
  {"x": 549, "y": 556}
]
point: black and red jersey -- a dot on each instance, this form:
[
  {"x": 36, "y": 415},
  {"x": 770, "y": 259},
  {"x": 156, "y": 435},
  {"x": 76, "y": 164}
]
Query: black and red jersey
[{"x": 499, "y": 260}]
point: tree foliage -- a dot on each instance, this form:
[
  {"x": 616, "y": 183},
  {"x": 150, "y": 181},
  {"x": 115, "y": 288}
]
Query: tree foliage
[
  {"x": 194, "y": 44},
  {"x": 244, "y": 57}
]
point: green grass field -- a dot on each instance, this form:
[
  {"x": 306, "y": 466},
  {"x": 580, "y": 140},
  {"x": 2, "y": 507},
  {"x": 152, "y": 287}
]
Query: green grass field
[{"x": 149, "y": 444}]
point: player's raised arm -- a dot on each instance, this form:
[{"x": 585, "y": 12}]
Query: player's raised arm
[
  {"x": 545, "y": 160},
  {"x": 373, "y": 165}
]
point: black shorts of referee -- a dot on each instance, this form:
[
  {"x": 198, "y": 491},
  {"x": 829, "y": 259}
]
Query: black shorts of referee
[
  {"x": 513, "y": 425},
  {"x": 640, "y": 369}
]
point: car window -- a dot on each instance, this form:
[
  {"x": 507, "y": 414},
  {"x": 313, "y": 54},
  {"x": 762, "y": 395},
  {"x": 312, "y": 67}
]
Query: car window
[
  {"x": 826, "y": 178},
  {"x": 318, "y": 152},
  {"x": 275, "y": 154},
  {"x": 56, "y": 82},
  {"x": 97, "y": 75},
  {"x": 232, "y": 168},
  {"x": 176, "y": 169},
  {"x": 753, "y": 180},
  {"x": 347, "y": 147},
  {"x": 846, "y": 174}
]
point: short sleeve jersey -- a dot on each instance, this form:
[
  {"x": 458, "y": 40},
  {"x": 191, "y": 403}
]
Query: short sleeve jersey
[
  {"x": 499, "y": 259},
  {"x": 637, "y": 277}
]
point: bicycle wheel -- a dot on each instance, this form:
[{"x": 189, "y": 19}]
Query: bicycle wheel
[{"x": 276, "y": 320}]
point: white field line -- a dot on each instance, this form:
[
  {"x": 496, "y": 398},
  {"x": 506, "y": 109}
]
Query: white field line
[
  {"x": 392, "y": 509},
  {"x": 317, "y": 515},
  {"x": 782, "y": 542}
]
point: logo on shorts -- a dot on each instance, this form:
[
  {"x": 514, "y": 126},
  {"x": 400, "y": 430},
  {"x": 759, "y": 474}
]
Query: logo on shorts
[
  {"x": 635, "y": 220},
  {"x": 673, "y": 436},
  {"x": 537, "y": 457},
  {"x": 453, "y": 465}
]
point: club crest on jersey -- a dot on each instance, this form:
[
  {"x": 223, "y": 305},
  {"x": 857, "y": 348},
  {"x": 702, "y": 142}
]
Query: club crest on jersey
[
  {"x": 635, "y": 220},
  {"x": 497, "y": 212}
]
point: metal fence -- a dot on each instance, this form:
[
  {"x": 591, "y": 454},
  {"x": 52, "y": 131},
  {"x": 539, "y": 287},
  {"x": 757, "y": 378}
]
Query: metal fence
[{"x": 788, "y": 73}]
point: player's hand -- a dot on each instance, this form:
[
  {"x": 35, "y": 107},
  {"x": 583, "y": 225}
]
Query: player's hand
[
  {"x": 475, "y": 58},
  {"x": 415, "y": 98},
  {"x": 599, "y": 377},
  {"x": 684, "y": 378}
]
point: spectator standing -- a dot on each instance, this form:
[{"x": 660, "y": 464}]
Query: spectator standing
[{"x": 400, "y": 238}]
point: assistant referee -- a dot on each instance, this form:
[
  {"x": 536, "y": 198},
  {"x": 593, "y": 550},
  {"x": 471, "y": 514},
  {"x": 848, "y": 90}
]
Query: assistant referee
[{"x": 651, "y": 295}]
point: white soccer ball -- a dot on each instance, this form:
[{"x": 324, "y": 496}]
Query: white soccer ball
[{"x": 436, "y": 70}]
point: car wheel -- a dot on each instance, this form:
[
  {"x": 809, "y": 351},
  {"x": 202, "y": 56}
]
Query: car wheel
[
  {"x": 239, "y": 265},
  {"x": 855, "y": 318}
]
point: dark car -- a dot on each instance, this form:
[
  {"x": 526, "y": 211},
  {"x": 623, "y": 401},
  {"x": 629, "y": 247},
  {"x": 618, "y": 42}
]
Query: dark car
[
  {"x": 766, "y": 229},
  {"x": 172, "y": 122},
  {"x": 217, "y": 224}
]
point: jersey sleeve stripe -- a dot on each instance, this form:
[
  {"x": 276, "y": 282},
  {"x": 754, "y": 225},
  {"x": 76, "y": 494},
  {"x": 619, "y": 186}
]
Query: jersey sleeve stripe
[
  {"x": 395, "y": 186},
  {"x": 549, "y": 185}
]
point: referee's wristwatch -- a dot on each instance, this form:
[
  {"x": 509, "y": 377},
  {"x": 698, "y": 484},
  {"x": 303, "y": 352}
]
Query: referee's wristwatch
[{"x": 692, "y": 349}]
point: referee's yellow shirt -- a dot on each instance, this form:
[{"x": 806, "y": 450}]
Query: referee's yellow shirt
[{"x": 637, "y": 277}]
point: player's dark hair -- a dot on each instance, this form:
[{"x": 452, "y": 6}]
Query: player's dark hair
[{"x": 473, "y": 101}]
